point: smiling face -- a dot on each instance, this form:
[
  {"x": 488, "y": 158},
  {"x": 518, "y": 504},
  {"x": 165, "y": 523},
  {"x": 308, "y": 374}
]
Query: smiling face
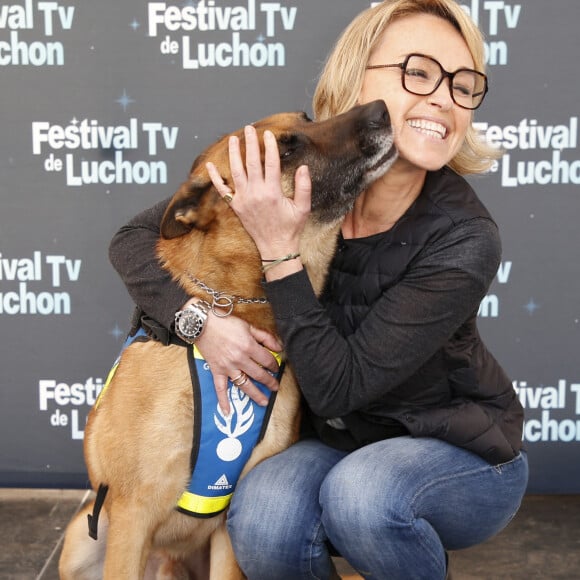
[{"x": 429, "y": 130}]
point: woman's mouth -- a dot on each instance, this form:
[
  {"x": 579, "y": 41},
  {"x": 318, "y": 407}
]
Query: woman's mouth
[{"x": 429, "y": 128}]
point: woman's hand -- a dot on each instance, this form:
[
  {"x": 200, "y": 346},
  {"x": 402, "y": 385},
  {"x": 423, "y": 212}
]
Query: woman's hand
[
  {"x": 275, "y": 222},
  {"x": 231, "y": 346}
]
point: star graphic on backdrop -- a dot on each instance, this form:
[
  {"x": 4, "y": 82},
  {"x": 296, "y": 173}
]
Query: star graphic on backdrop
[
  {"x": 135, "y": 24},
  {"x": 260, "y": 38},
  {"x": 124, "y": 100},
  {"x": 116, "y": 332},
  {"x": 531, "y": 306}
]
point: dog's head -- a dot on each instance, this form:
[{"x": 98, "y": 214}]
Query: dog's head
[{"x": 344, "y": 155}]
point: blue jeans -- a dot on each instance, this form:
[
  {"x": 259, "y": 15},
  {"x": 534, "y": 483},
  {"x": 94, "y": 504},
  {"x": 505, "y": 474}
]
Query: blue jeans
[{"x": 391, "y": 509}]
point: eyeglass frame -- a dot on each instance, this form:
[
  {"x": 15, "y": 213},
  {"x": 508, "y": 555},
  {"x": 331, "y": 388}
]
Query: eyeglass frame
[{"x": 444, "y": 75}]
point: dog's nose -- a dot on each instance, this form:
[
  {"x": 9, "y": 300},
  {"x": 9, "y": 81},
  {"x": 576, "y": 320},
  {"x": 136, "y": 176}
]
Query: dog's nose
[{"x": 376, "y": 115}]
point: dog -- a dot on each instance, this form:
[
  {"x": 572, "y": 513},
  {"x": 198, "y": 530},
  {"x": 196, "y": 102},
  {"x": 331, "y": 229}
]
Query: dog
[{"x": 138, "y": 438}]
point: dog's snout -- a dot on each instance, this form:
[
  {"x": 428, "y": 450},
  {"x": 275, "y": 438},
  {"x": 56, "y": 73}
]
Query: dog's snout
[
  {"x": 376, "y": 116},
  {"x": 374, "y": 127}
]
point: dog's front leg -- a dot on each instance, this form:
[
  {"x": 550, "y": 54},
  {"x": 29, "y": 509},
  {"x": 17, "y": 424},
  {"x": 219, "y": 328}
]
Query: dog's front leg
[
  {"x": 223, "y": 564},
  {"x": 128, "y": 541}
]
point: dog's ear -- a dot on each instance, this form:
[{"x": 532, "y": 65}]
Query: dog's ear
[{"x": 189, "y": 208}]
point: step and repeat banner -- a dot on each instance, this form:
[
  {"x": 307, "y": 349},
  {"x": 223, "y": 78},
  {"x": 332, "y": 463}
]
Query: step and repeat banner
[{"x": 103, "y": 107}]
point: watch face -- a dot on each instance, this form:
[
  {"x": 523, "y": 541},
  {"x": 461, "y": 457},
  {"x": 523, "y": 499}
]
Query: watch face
[{"x": 190, "y": 324}]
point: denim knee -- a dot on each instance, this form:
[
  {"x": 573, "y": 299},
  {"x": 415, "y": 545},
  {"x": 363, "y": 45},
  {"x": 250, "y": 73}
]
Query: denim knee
[
  {"x": 255, "y": 501},
  {"x": 274, "y": 518},
  {"x": 354, "y": 494}
]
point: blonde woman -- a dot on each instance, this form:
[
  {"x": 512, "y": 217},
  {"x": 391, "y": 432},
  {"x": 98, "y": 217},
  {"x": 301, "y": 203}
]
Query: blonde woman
[{"x": 411, "y": 443}]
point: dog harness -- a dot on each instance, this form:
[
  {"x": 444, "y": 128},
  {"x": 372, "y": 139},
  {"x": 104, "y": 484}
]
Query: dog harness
[{"x": 221, "y": 445}]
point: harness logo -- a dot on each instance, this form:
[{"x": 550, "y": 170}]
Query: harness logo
[
  {"x": 221, "y": 483},
  {"x": 238, "y": 422}
]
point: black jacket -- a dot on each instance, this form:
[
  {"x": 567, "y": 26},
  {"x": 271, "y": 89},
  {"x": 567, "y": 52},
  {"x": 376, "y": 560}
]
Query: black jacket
[{"x": 394, "y": 347}]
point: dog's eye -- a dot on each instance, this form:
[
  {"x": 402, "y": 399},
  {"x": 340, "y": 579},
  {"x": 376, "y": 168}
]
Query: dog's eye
[{"x": 287, "y": 145}]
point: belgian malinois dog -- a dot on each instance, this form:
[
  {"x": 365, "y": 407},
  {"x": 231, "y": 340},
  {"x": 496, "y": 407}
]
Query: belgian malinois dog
[{"x": 138, "y": 438}]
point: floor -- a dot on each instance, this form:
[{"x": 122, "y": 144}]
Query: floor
[{"x": 542, "y": 542}]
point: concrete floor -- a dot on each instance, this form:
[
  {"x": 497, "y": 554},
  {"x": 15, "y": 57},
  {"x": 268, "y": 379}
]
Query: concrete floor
[{"x": 542, "y": 542}]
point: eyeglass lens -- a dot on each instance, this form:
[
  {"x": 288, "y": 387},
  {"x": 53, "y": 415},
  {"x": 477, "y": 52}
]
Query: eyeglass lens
[{"x": 422, "y": 75}]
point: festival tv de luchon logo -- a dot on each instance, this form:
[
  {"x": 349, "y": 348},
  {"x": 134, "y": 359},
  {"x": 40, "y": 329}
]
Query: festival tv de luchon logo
[{"x": 208, "y": 34}]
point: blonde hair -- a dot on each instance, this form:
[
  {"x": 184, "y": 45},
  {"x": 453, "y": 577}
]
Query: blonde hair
[{"x": 341, "y": 80}]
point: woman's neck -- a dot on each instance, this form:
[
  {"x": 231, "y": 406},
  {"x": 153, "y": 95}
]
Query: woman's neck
[{"x": 379, "y": 208}]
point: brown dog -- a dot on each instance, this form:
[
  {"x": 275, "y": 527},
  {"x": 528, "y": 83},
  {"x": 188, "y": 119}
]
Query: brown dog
[{"x": 138, "y": 440}]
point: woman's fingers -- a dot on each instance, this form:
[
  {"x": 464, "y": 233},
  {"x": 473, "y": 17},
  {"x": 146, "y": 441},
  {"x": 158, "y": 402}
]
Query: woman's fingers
[
  {"x": 237, "y": 168},
  {"x": 250, "y": 176},
  {"x": 302, "y": 189},
  {"x": 271, "y": 160},
  {"x": 220, "y": 383},
  {"x": 267, "y": 340},
  {"x": 244, "y": 380},
  {"x": 234, "y": 352},
  {"x": 261, "y": 375},
  {"x": 253, "y": 156},
  {"x": 217, "y": 180}
]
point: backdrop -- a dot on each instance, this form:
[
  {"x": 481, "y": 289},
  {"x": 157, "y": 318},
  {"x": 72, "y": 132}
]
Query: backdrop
[{"x": 104, "y": 106}]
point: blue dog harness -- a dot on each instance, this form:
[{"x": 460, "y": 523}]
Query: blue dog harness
[{"x": 221, "y": 446}]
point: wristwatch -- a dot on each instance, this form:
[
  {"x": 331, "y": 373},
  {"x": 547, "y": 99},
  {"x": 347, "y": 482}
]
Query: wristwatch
[{"x": 190, "y": 322}]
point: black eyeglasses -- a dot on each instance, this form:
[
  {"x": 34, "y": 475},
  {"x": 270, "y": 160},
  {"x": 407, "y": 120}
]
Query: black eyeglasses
[{"x": 422, "y": 75}]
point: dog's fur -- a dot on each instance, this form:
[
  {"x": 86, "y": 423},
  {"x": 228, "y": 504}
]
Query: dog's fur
[{"x": 138, "y": 440}]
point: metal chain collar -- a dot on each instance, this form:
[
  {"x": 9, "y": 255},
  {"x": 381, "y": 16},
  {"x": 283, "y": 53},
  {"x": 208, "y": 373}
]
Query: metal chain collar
[{"x": 223, "y": 304}]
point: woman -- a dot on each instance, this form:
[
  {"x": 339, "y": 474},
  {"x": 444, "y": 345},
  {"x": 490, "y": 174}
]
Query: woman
[{"x": 411, "y": 445}]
